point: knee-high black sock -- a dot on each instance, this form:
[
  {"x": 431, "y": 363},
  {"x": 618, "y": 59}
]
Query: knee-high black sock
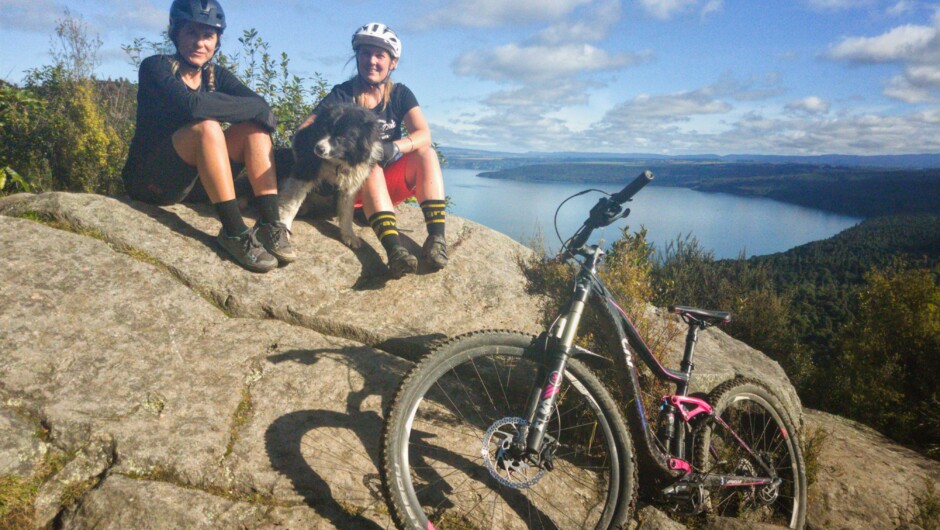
[
  {"x": 433, "y": 210},
  {"x": 231, "y": 218},
  {"x": 385, "y": 226},
  {"x": 267, "y": 208}
]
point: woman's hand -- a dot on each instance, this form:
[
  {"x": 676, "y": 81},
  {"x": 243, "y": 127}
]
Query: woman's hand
[{"x": 390, "y": 152}]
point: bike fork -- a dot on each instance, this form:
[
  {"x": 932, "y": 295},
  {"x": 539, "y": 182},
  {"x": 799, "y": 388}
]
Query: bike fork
[{"x": 543, "y": 398}]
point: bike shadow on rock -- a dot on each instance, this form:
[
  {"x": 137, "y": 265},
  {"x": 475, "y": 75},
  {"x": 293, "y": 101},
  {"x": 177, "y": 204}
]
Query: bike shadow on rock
[{"x": 332, "y": 457}]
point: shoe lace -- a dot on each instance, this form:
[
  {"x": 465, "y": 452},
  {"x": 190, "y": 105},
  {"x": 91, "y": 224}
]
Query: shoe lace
[
  {"x": 279, "y": 232},
  {"x": 251, "y": 244}
]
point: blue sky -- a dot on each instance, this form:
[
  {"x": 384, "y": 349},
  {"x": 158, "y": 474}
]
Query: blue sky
[{"x": 633, "y": 76}]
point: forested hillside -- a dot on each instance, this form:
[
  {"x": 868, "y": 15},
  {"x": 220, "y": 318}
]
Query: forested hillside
[{"x": 824, "y": 276}]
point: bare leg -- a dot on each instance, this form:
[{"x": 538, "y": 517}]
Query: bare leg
[
  {"x": 375, "y": 193},
  {"x": 251, "y": 145},
  {"x": 203, "y": 144},
  {"x": 423, "y": 173}
]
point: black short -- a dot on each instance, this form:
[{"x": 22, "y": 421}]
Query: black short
[{"x": 160, "y": 176}]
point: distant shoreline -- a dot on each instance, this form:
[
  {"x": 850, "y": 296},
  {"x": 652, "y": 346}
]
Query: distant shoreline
[{"x": 855, "y": 191}]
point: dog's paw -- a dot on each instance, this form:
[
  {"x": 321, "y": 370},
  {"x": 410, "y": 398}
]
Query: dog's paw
[{"x": 352, "y": 241}]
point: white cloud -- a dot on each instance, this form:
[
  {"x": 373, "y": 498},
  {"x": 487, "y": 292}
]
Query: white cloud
[
  {"x": 809, "y": 105},
  {"x": 899, "y": 44},
  {"x": 836, "y": 5},
  {"x": 916, "y": 47},
  {"x": 492, "y": 13},
  {"x": 134, "y": 14},
  {"x": 666, "y": 9},
  {"x": 513, "y": 62},
  {"x": 593, "y": 27},
  {"x": 712, "y": 6},
  {"x": 541, "y": 97},
  {"x": 29, "y": 15},
  {"x": 901, "y": 8}
]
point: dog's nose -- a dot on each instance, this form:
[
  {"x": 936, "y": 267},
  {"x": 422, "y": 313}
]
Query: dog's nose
[{"x": 322, "y": 149}]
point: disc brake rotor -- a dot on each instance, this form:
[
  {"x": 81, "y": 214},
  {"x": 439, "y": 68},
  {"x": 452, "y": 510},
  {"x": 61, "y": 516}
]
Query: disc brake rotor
[{"x": 509, "y": 471}]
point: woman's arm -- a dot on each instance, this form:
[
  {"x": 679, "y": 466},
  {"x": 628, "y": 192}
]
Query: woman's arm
[
  {"x": 156, "y": 72},
  {"x": 419, "y": 133}
]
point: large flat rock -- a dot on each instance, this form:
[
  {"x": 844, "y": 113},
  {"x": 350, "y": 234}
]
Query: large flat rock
[
  {"x": 96, "y": 342},
  {"x": 331, "y": 288},
  {"x": 865, "y": 480}
]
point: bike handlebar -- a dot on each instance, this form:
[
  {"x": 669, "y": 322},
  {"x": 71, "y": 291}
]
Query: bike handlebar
[
  {"x": 607, "y": 210},
  {"x": 632, "y": 188}
]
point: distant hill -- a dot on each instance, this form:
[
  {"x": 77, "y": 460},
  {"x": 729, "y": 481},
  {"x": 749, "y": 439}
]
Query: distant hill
[
  {"x": 850, "y": 190},
  {"x": 479, "y": 159}
]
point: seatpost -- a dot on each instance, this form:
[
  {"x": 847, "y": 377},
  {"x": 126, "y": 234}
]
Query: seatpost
[{"x": 686, "y": 366}]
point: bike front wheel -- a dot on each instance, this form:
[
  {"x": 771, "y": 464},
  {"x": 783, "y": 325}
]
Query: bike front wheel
[
  {"x": 446, "y": 459},
  {"x": 750, "y": 435}
]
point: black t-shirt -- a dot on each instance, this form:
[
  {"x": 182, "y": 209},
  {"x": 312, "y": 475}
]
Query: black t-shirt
[
  {"x": 165, "y": 103},
  {"x": 402, "y": 100}
]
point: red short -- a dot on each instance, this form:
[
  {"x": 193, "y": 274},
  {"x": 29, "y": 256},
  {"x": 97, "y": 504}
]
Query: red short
[{"x": 398, "y": 189}]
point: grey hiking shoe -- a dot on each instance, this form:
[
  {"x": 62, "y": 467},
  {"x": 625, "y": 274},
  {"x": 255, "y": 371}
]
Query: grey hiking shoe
[
  {"x": 401, "y": 262},
  {"x": 435, "y": 251},
  {"x": 275, "y": 238},
  {"x": 247, "y": 251}
]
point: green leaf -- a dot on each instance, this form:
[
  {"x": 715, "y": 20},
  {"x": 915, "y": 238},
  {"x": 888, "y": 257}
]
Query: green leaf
[{"x": 15, "y": 177}]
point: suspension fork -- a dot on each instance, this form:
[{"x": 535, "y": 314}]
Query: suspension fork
[{"x": 542, "y": 399}]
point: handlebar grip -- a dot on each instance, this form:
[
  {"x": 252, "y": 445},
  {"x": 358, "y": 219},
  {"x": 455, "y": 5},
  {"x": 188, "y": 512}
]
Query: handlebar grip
[{"x": 632, "y": 188}]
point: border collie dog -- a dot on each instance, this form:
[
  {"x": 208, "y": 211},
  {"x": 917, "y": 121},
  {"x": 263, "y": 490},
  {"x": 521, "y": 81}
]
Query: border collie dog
[{"x": 340, "y": 148}]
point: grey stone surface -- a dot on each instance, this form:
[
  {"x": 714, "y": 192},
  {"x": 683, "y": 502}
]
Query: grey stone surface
[
  {"x": 864, "y": 479},
  {"x": 20, "y": 447},
  {"x": 330, "y": 287}
]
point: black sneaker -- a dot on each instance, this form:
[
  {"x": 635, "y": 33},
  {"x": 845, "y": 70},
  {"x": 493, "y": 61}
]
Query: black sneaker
[
  {"x": 435, "y": 251},
  {"x": 401, "y": 262},
  {"x": 275, "y": 238},
  {"x": 247, "y": 251}
]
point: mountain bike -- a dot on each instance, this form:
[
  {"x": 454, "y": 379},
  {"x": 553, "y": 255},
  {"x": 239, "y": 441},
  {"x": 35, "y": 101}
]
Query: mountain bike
[{"x": 499, "y": 429}]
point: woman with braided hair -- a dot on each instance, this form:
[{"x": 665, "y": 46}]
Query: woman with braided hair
[
  {"x": 410, "y": 167},
  {"x": 182, "y": 101}
]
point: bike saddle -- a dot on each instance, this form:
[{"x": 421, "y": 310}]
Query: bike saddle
[{"x": 704, "y": 316}]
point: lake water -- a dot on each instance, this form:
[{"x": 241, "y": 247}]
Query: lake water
[{"x": 726, "y": 224}]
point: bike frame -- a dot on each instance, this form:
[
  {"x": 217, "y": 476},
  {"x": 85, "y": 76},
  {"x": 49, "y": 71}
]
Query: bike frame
[{"x": 661, "y": 469}]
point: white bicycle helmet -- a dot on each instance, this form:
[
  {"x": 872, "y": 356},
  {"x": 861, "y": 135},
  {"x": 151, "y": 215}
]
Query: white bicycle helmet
[{"x": 380, "y": 35}]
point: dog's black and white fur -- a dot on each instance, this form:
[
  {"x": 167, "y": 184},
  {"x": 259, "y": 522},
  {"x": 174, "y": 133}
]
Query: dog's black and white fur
[{"x": 341, "y": 147}]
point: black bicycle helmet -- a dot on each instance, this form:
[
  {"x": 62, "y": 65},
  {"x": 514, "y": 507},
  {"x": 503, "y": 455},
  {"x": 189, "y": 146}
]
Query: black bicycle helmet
[{"x": 207, "y": 12}]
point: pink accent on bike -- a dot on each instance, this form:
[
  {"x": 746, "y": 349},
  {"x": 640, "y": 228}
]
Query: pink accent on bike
[
  {"x": 784, "y": 433},
  {"x": 680, "y": 465},
  {"x": 431, "y": 526},
  {"x": 698, "y": 406},
  {"x": 554, "y": 384}
]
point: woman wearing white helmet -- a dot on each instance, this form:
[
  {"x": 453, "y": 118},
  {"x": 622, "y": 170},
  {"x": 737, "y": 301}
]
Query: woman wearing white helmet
[{"x": 410, "y": 167}]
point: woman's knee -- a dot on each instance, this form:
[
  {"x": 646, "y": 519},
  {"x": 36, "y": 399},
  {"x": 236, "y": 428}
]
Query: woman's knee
[{"x": 208, "y": 130}]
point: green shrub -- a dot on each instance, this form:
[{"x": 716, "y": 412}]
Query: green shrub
[{"x": 889, "y": 372}]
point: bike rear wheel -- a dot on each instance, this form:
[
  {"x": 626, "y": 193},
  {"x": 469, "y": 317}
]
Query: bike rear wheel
[
  {"x": 760, "y": 431},
  {"x": 444, "y": 459}
]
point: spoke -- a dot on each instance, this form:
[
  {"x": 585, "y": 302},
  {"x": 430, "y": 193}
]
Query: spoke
[{"x": 485, "y": 389}]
